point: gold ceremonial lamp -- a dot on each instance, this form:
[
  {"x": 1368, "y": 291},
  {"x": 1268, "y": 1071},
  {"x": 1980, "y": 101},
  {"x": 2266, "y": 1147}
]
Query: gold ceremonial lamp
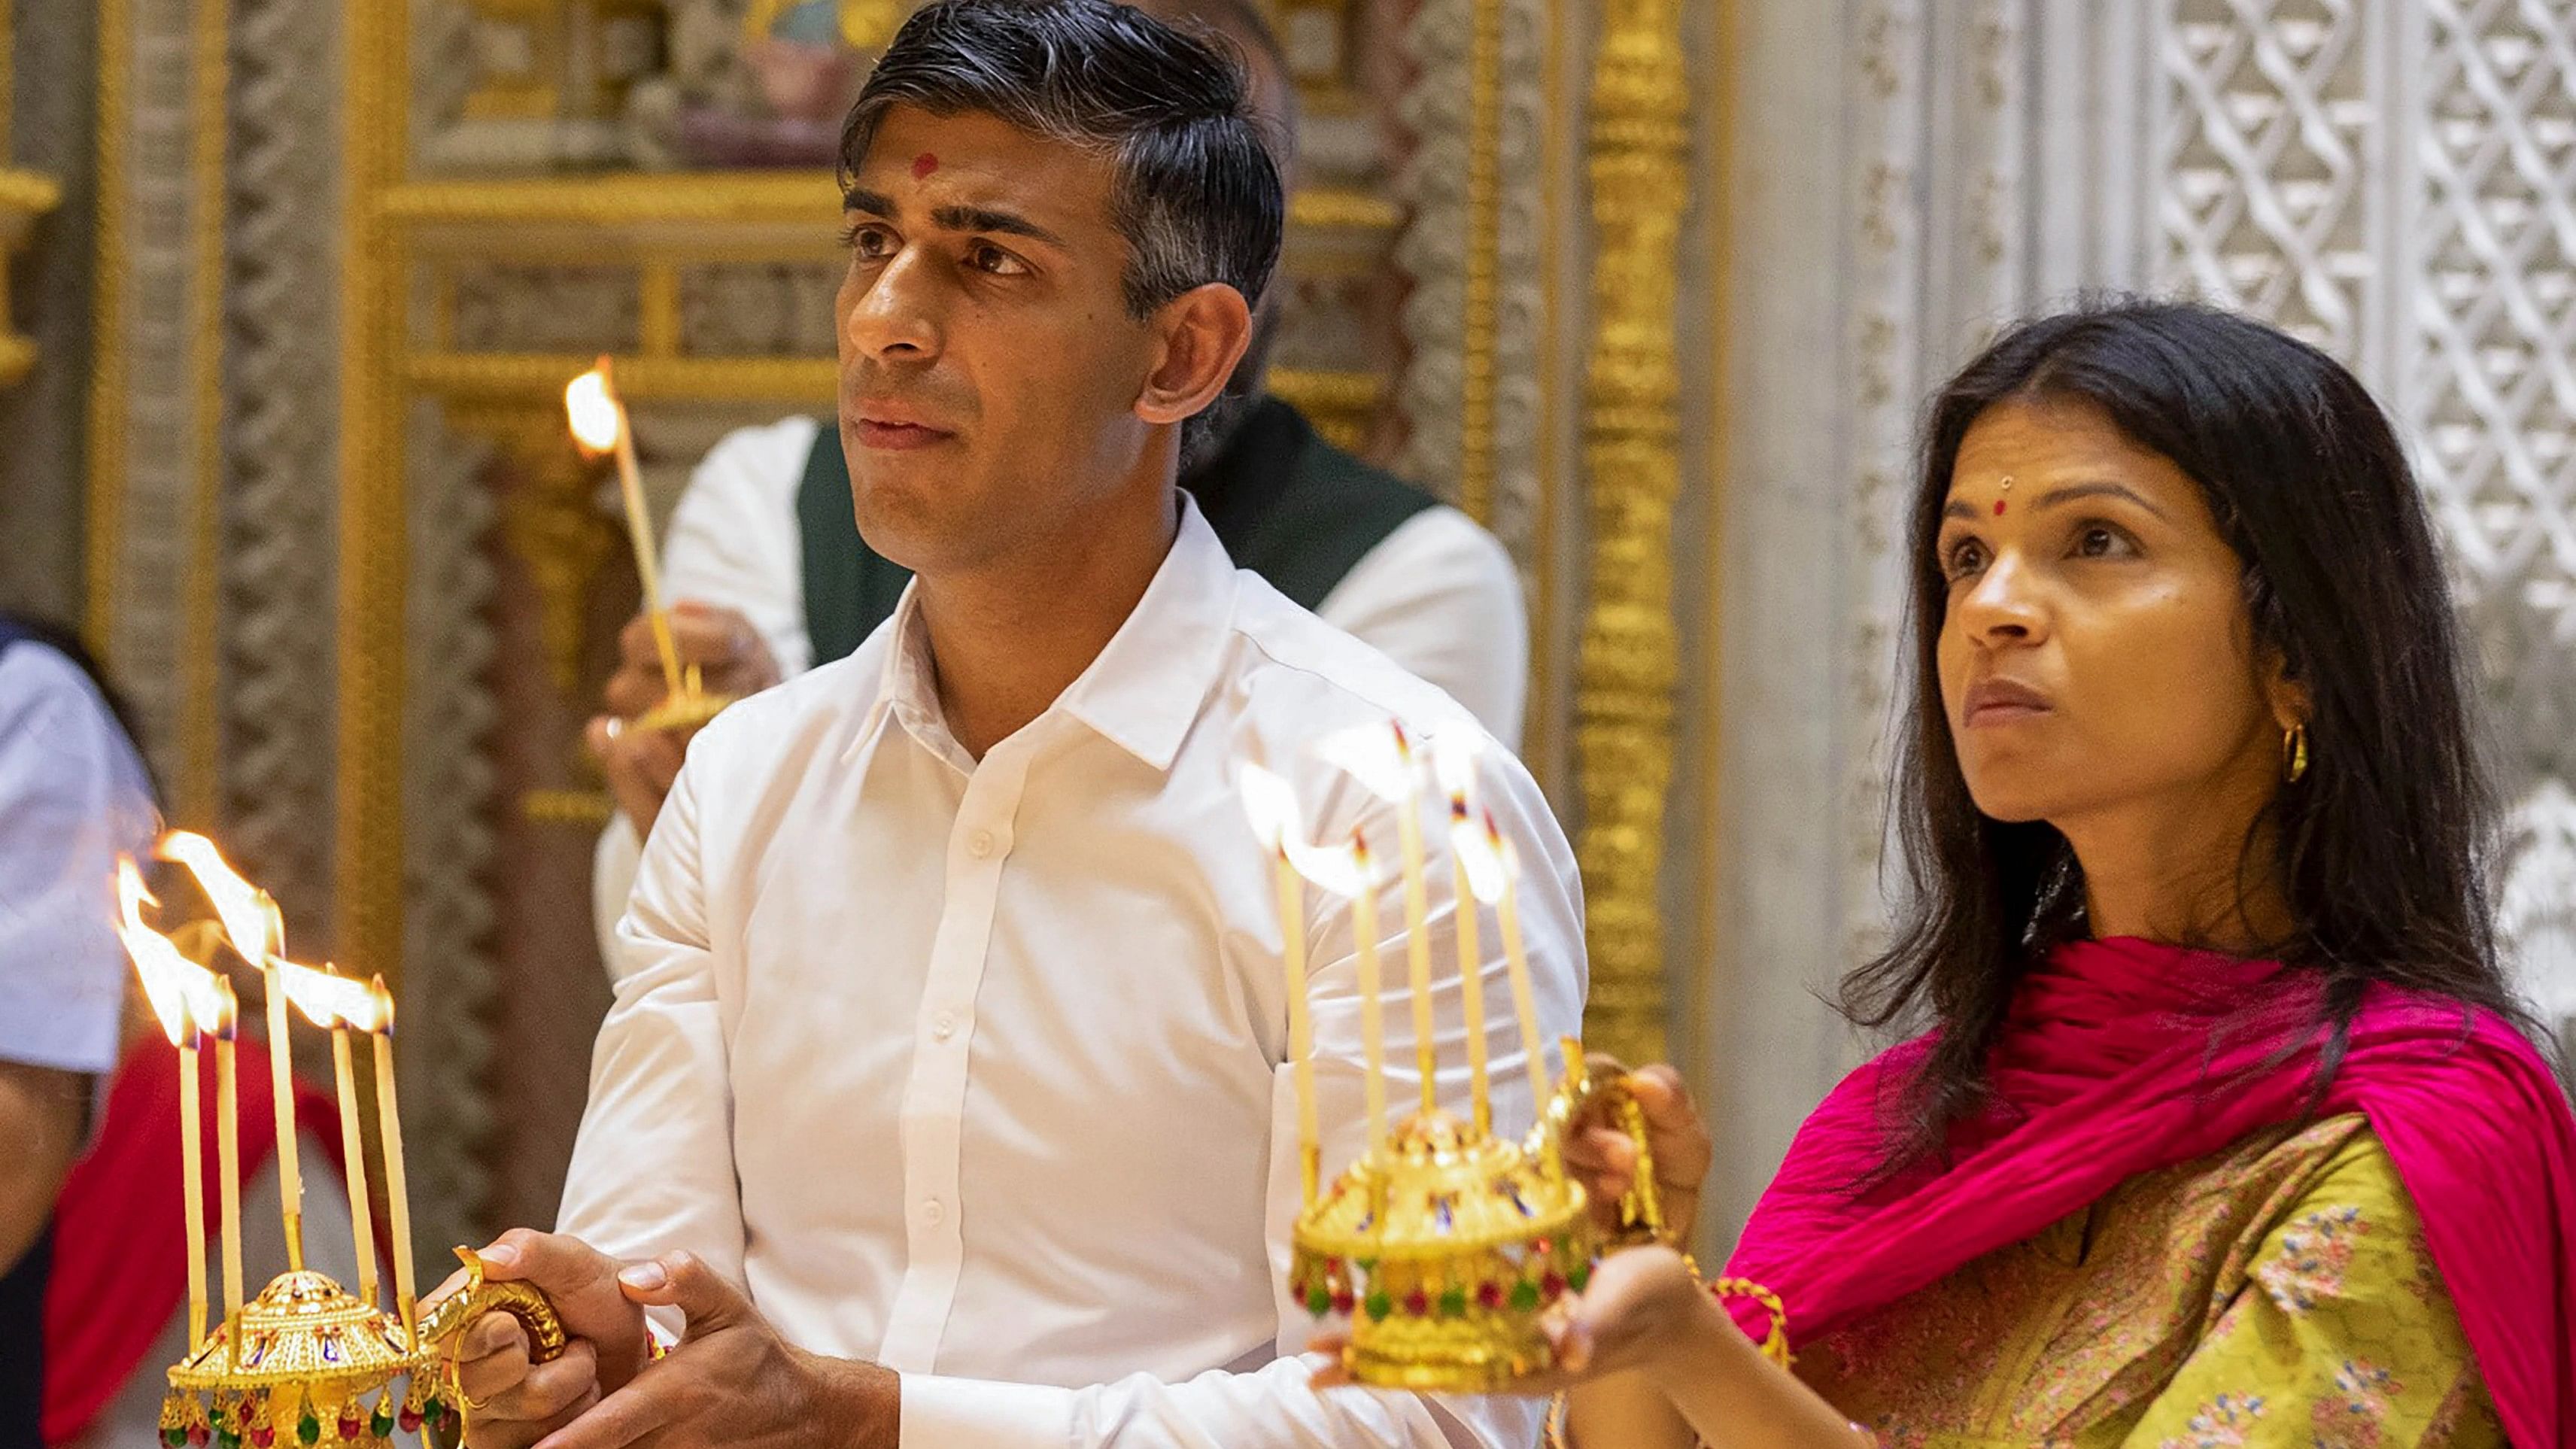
[
  {"x": 1445, "y": 1242},
  {"x": 303, "y": 1357},
  {"x": 1443, "y": 1248}
]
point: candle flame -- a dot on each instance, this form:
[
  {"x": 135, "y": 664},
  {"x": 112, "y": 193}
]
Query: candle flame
[
  {"x": 384, "y": 1006},
  {"x": 327, "y": 998},
  {"x": 1379, "y": 756},
  {"x": 1454, "y": 755},
  {"x": 251, "y": 920},
  {"x": 183, "y": 995},
  {"x": 593, "y": 410},
  {"x": 1480, "y": 850},
  {"x": 1271, "y": 805}
]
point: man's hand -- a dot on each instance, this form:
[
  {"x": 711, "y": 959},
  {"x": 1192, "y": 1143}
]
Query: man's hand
[
  {"x": 640, "y": 764},
  {"x": 733, "y": 1380},
  {"x": 1604, "y": 1158},
  {"x": 511, "y": 1402}
]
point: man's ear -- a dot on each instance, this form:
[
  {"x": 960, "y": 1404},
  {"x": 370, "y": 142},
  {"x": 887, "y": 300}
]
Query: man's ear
[{"x": 1199, "y": 336}]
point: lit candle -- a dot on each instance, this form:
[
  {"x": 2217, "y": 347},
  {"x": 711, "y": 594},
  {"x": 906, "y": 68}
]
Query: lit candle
[
  {"x": 1524, "y": 1004},
  {"x": 182, "y": 997},
  {"x": 362, "y": 1214},
  {"x": 1273, "y": 808},
  {"x": 1417, "y": 911},
  {"x": 336, "y": 1002},
  {"x": 1372, "y": 1010},
  {"x": 228, "y": 1159},
  {"x": 258, "y": 933},
  {"x": 1471, "y": 967},
  {"x": 389, "y": 1124},
  {"x": 600, "y": 426}
]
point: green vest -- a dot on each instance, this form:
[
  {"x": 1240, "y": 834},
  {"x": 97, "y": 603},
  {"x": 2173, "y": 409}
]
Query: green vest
[{"x": 1286, "y": 504}]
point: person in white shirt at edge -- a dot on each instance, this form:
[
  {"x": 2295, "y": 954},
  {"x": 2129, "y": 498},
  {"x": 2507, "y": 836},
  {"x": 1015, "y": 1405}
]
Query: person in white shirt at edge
[
  {"x": 773, "y": 579},
  {"x": 947, "y": 1103}
]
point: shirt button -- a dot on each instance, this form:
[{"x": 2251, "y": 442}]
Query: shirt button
[
  {"x": 980, "y": 843},
  {"x": 933, "y": 1213},
  {"x": 943, "y": 1026}
]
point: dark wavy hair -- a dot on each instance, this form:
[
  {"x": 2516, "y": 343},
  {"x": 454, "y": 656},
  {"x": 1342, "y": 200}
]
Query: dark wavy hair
[
  {"x": 2383, "y": 850},
  {"x": 1194, "y": 190}
]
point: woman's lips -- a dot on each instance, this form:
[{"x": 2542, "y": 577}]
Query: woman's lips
[
  {"x": 2002, "y": 702},
  {"x": 898, "y": 437}
]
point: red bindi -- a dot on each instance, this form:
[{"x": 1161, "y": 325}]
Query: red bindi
[
  {"x": 923, "y": 165},
  {"x": 1999, "y": 508}
]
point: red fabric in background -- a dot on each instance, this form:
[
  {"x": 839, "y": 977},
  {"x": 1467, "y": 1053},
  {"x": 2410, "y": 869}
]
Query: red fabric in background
[
  {"x": 120, "y": 1228},
  {"x": 2122, "y": 1057}
]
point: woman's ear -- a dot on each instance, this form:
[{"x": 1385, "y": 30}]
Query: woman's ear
[
  {"x": 2286, "y": 697},
  {"x": 1200, "y": 336}
]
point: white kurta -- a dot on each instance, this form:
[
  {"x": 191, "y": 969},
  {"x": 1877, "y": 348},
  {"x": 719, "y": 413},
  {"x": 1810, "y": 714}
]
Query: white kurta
[
  {"x": 1438, "y": 595},
  {"x": 977, "y": 1069}
]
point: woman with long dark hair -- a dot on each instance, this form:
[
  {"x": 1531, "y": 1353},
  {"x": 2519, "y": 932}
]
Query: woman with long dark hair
[{"x": 2222, "y": 1126}]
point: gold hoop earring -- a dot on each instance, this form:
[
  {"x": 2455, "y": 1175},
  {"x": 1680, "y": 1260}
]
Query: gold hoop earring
[{"x": 2294, "y": 753}]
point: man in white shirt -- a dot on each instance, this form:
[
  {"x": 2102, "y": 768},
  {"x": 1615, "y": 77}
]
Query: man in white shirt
[
  {"x": 950, "y": 1082},
  {"x": 776, "y": 581}
]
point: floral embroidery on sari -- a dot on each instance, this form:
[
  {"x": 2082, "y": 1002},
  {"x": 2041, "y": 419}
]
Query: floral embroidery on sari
[
  {"x": 2350, "y": 1417},
  {"x": 2316, "y": 1252},
  {"x": 2224, "y": 1422}
]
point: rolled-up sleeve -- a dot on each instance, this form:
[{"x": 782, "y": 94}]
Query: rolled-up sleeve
[{"x": 73, "y": 795}]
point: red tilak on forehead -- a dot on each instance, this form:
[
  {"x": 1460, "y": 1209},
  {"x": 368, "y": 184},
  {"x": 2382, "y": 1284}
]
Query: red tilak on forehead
[
  {"x": 923, "y": 165},
  {"x": 1999, "y": 508}
]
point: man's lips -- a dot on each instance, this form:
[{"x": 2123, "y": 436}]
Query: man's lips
[
  {"x": 898, "y": 436},
  {"x": 2000, "y": 702}
]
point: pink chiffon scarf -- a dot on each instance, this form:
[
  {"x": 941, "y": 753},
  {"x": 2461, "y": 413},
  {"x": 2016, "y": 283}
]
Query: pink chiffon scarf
[{"x": 2122, "y": 1057}]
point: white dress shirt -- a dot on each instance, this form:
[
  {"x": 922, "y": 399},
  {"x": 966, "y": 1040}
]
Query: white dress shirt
[
  {"x": 977, "y": 1069},
  {"x": 1439, "y": 595}
]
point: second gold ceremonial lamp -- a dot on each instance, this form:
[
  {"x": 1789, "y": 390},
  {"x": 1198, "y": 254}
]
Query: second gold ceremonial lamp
[
  {"x": 601, "y": 427},
  {"x": 1445, "y": 1242},
  {"x": 305, "y": 1359}
]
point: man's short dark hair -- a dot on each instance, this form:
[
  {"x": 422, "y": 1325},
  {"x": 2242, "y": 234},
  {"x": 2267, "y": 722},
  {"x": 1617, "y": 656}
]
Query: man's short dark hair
[{"x": 1193, "y": 189}]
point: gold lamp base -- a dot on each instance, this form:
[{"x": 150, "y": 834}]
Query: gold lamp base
[
  {"x": 1444, "y": 1247},
  {"x": 299, "y": 1361}
]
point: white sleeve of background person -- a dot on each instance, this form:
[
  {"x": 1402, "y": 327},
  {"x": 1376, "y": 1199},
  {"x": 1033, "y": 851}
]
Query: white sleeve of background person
[
  {"x": 1441, "y": 597},
  {"x": 732, "y": 542}
]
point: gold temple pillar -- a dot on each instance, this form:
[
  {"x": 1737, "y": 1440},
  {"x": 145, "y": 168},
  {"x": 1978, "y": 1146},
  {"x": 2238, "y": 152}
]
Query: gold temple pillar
[{"x": 1637, "y": 153}]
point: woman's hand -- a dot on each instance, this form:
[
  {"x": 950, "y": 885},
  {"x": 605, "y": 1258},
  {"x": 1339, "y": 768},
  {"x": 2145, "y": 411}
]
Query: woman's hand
[{"x": 1604, "y": 1159}]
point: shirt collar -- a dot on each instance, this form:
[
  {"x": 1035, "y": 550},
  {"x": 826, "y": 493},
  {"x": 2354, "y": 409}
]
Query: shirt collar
[{"x": 1146, "y": 687}]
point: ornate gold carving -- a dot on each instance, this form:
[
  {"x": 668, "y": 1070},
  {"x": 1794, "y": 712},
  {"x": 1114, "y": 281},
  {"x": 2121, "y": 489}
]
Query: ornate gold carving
[
  {"x": 723, "y": 379},
  {"x": 1339, "y": 404},
  {"x": 374, "y": 540},
  {"x": 24, "y": 196},
  {"x": 1484, "y": 245},
  {"x": 1624, "y": 700},
  {"x": 109, "y": 366},
  {"x": 200, "y": 710}
]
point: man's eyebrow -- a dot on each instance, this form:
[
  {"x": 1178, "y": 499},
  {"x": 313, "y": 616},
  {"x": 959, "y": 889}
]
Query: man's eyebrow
[
  {"x": 985, "y": 218},
  {"x": 954, "y": 218}
]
